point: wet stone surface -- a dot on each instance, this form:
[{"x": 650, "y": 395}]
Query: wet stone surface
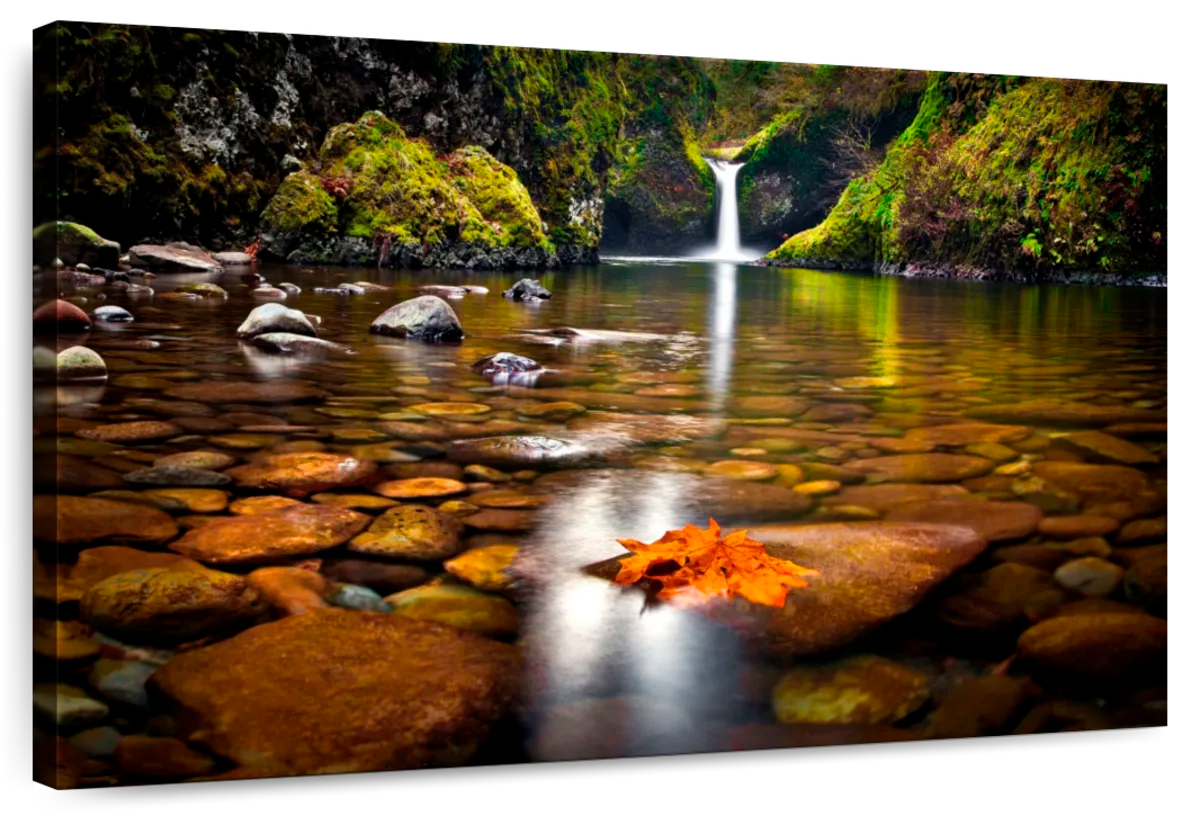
[{"x": 350, "y": 531}]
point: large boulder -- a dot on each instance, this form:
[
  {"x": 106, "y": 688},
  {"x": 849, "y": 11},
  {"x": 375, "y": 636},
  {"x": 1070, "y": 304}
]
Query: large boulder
[
  {"x": 72, "y": 244},
  {"x": 340, "y": 691},
  {"x": 175, "y": 257},
  {"x": 426, "y": 318}
]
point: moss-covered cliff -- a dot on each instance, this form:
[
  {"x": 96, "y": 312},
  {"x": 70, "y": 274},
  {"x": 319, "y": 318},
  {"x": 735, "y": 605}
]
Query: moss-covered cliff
[
  {"x": 1006, "y": 176},
  {"x": 799, "y": 162},
  {"x": 169, "y": 133},
  {"x": 373, "y": 195}
]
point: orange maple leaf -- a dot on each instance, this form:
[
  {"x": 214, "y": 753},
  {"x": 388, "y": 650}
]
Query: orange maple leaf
[{"x": 694, "y": 566}]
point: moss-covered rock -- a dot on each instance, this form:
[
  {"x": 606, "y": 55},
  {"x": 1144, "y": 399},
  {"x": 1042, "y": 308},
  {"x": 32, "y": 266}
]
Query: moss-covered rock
[
  {"x": 1029, "y": 179},
  {"x": 375, "y": 195},
  {"x": 72, "y": 244}
]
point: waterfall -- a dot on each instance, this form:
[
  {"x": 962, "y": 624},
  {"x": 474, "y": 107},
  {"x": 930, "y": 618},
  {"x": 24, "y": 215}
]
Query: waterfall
[{"x": 729, "y": 241}]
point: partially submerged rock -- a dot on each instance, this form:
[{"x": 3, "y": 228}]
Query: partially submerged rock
[
  {"x": 60, "y": 316},
  {"x": 174, "y": 257},
  {"x": 80, "y": 364},
  {"x": 271, "y": 318},
  {"x": 299, "y": 474},
  {"x": 425, "y": 318},
  {"x": 72, "y": 244},
  {"x": 527, "y": 289},
  {"x": 299, "y": 345},
  {"x": 293, "y": 531}
]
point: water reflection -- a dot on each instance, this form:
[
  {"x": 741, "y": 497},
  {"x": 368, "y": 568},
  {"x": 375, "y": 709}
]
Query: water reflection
[{"x": 722, "y": 328}]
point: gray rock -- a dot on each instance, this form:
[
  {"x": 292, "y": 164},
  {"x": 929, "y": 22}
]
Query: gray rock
[
  {"x": 426, "y": 318},
  {"x": 67, "y": 705},
  {"x": 275, "y": 317},
  {"x": 176, "y": 257},
  {"x": 80, "y": 364},
  {"x": 527, "y": 289},
  {"x": 111, "y": 314},
  {"x": 287, "y": 343},
  {"x": 352, "y": 596},
  {"x": 177, "y": 476},
  {"x": 505, "y": 364},
  {"x": 122, "y": 681},
  {"x": 233, "y": 259},
  {"x": 97, "y": 743}
]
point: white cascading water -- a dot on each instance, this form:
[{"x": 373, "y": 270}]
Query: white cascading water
[{"x": 729, "y": 241}]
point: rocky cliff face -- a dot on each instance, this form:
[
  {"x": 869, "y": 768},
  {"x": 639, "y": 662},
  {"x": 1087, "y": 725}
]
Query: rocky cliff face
[
  {"x": 185, "y": 134},
  {"x": 1009, "y": 177}
]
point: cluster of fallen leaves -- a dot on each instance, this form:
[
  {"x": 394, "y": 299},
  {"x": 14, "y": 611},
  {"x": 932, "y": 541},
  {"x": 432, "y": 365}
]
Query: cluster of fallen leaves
[{"x": 694, "y": 566}]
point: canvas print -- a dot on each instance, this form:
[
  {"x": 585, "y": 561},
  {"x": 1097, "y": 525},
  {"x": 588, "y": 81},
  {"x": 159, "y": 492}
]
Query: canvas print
[{"x": 405, "y": 405}]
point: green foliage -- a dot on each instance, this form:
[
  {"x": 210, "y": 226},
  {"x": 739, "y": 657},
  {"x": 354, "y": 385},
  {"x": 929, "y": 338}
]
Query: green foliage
[
  {"x": 1003, "y": 173},
  {"x": 370, "y": 180}
]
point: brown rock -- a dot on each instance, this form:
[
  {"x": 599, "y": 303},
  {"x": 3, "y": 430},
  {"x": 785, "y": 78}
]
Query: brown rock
[
  {"x": 870, "y": 573},
  {"x": 1038, "y": 556},
  {"x": 383, "y": 577},
  {"x": 1143, "y": 531},
  {"x": 125, "y": 432},
  {"x": 484, "y": 568},
  {"x": 182, "y": 602},
  {"x": 299, "y": 474},
  {"x": 957, "y": 436},
  {"x": 63, "y": 640},
  {"x": 420, "y": 488},
  {"x": 458, "y": 606},
  {"x": 500, "y": 521},
  {"x": 411, "y": 531},
  {"x": 1103, "y": 647},
  {"x": 1096, "y": 446},
  {"x": 998, "y": 601},
  {"x": 287, "y": 698},
  {"x": 143, "y": 757},
  {"x": 1068, "y": 527},
  {"x": 1064, "y": 412},
  {"x": 254, "y": 505},
  {"x": 261, "y": 537},
  {"x": 1093, "y": 484},
  {"x": 73, "y": 520},
  {"x": 97, "y": 563},
  {"x": 866, "y": 690},
  {"x": 60, "y": 316},
  {"x": 995, "y": 521},
  {"x": 980, "y": 706},
  {"x": 274, "y": 391},
  {"x": 884, "y": 497},
  {"x": 648, "y": 429},
  {"x": 923, "y": 467},
  {"x": 290, "y": 590}
]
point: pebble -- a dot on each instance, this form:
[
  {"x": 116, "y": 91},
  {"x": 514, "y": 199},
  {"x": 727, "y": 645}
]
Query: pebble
[
  {"x": 68, "y": 706},
  {"x": 1090, "y": 576}
]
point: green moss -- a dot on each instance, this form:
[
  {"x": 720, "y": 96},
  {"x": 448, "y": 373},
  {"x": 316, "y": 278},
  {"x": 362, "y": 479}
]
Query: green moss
[
  {"x": 371, "y": 180},
  {"x": 300, "y": 203},
  {"x": 1008, "y": 174}
]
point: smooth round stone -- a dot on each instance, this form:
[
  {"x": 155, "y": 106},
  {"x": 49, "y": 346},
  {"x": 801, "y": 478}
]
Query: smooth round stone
[
  {"x": 411, "y": 531},
  {"x": 1143, "y": 531},
  {"x": 865, "y": 689},
  {"x": 518, "y": 452},
  {"x": 1091, "y": 545},
  {"x": 1069, "y": 527},
  {"x": 244, "y": 441},
  {"x": 97, "y": 563},
  {"x": 300, "y": 474},
  {"x": 176, "y": 476},
  {"x": 420, "y": 488},
  {"x": 352, "y": 596},
  {"x": 355, "y": 501},
  {"x": 770, "y": 406},
  {"x": 204, "y": 290},
  {"x": 1093, "y": 484},
  {"x": 122, "y": 681},
  {"x": 73, "y": 520},
  {"x": 275, "y": 317},
  {"x": 253, "y": 505},
  {"x": 450, "y": 410},
  {"x": 994, "y": 521},
  {"x": 553, "y": 411},
  {"x": 501, "y": 521},
  {"x": 427, "y": 318},
  {"x": 484, "y": 473},
  {"x": 266, "y": 702},
  {"x": 111, "y": 314},
  {"x": 126, "y": 432},
  {"x": 79, "y": 364},
  {"x": 743, "y": 470},
  {"x": 287, "y": 343},
  {"x": 293, "y": 590},
  {"x": 292, "y": 531},
  {"x": 957, "y": 436},
  {"x": 169, "y": 604},
  {"x": 922, "y": 467},
  {"x": 460, "y": 607},
  {"x": 60, "y": 316},
  {"x": 195, "y": 500},
  {"x": 1096, "y": 446},
  {"x": 458, "y": 508},
  {"x": 484, "y": 568},
  {"x": 832, "y": 454},
  {"x": 508, "y": 500},
  {"x": 1098, "y": 647},
  {"x": 1090, "y": 576},
  {"x": 63, "y": 640},
  {"x": 823, "y": 487},
  {"x": 97, "y": 743},
  {"x": 201, "y": 459},
  {"x": 68, "y": 706}
]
